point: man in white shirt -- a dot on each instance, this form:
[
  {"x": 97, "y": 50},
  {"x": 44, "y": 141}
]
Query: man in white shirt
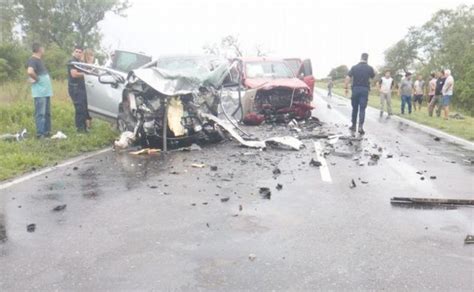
[
  {"x": 447, "y": 91},
  {"x": 385, "y": 89},
  {"x": 419, "y": 91}
]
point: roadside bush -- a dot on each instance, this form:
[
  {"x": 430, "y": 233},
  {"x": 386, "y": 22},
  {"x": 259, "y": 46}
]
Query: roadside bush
[{"x": 12, "y": 61}]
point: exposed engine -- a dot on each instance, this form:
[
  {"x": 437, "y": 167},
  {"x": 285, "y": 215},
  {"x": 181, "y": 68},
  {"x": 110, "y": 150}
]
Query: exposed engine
[{"x": 283, "y": 104}]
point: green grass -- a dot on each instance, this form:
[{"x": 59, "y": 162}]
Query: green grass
[
  {"x": 16, "y": 113},
  {"x": 460, "y": 128}
]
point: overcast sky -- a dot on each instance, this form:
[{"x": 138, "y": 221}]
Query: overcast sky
[{"x": 331, "y": 33}]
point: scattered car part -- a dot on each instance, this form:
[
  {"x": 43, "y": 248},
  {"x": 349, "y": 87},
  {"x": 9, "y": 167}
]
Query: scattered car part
[
  {"x": 14, "y": 137},
  {"x": 469, "y": 239},
  {"x": 400, "y": 201}
]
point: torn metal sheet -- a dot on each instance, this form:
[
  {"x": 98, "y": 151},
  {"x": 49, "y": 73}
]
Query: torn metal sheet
[
  {"x": 430, "y": 201},
  {"x": 286, "y": 141}
]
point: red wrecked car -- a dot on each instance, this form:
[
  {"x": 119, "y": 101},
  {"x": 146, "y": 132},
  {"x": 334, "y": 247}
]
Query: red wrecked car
[{"x": 279, "y": 94}]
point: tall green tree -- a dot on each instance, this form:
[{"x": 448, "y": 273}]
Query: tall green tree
[
  {"x": 66, "y": 22},
  {"x": 7, "y": 20}
]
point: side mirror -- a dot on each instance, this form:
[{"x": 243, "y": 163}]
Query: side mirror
[{"x": 107, "y": 79}]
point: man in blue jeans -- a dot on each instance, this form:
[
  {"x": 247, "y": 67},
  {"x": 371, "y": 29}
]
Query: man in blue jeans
[
  {"x": 41, "y": 91},
  {"x": 406, "y": 91},
  {"x": 360, "y": 75}
]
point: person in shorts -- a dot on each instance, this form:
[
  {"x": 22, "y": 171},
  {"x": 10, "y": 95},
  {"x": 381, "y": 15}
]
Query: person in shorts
[
  {"x": 447, "y": 91},
  {"x": 419, "y": 91}
]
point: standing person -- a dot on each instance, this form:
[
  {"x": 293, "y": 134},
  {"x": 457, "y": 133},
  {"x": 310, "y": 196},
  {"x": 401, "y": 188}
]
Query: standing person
[
  {"x": 405, "y": 91},
  {"x": 330, "y": 86},
  {"x": 89, "y": 59},
  {"x": 419, "y": 91},
  {"x": 41, "y": 90},
  {"x": 436, "y": 101},
  {"x": 431, "y": 92},
  {"x": 447, "y": 91},
  {"x": 77, "y": 90},
  {"x": 360, "y": 75},
  {"x": 385, "y": 89}
]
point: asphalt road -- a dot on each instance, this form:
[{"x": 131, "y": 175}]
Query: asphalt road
[{"x": 156, "y": 223}]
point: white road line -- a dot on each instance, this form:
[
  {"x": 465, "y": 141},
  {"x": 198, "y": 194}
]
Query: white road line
[
  {"x": 49, "y": 169},
  {"x": 323, "y": 169}
]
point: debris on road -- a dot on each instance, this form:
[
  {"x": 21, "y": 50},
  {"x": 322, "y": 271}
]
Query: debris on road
[
  {"x": 314, "y": 163},
  {"x": 265, "y": 192},
  {"x": 469, "y": 239},
  {"x": 31, "y": 227},
  {"x": 198, "y": 165},
  {"x": 59, "y": 136},
  {"x": 276, "y": 171},
  {"x": 59, "y": 207},
  {"x": 469, "y": 161},
  {"x": 403, "y": 201},
  {"x": 145, "y": 151},
  {"x": 252, "y": 257},
  {"x": 353, "y": 184}
]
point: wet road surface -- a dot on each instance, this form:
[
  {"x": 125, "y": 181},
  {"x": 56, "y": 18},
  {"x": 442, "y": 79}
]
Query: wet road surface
[{"x": 157, "y": 223}]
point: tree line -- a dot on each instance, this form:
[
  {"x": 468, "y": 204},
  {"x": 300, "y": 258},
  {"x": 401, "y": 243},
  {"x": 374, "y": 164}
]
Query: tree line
[
  {"x": 446, "y": 41},
  {"x": 56, "y": 24}
]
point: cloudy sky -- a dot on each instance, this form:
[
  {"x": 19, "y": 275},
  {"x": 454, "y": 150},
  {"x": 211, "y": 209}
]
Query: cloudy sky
[{"x": 331, "y": 33}]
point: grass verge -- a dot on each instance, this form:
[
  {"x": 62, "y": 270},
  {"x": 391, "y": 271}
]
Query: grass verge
[
  {"x": 17, "y": 113},
  {"x": 461, "y": 128}
]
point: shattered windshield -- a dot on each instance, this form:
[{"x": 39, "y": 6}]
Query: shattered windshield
[{"x": 268, "y": 70}]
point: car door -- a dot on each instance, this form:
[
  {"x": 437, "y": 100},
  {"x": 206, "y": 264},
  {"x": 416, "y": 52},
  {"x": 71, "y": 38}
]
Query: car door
[
  {"x": 306, "y": 72},
  {"x": 104, "y": 87},
  {"x": 104, "y": 98}
]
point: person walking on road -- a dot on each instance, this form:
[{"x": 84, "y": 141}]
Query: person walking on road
[
  {"x": 405, "y": 91},
  {"x": 436, "y": 101},
  {"x": 447, "y": 91},
  {"x": 41, "y": 90},
  {"x": 360, "y": 75},
  {"x": 385, "y": 89},
  {"x": 330, "y": 86},
  {"x": 77, "y": 90},
  {"x": 419, "y": 92}
]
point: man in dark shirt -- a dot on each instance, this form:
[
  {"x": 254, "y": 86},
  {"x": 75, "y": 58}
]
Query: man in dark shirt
[
  {"x": 77, "y": 89},
  {"x": 436, "y": 100},
  {"x": 360, "y": 75},
  {"x": 41, "y": 91}
]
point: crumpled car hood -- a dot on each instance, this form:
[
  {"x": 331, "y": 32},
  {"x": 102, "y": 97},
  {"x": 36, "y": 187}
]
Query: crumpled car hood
[
  {"x": 182, "y": 81},
  {"x": 268, "y": 83}
]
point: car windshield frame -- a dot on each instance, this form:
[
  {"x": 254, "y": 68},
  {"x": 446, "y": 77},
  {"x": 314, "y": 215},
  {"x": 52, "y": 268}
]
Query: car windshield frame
[{"x": 268, "y": 69}]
